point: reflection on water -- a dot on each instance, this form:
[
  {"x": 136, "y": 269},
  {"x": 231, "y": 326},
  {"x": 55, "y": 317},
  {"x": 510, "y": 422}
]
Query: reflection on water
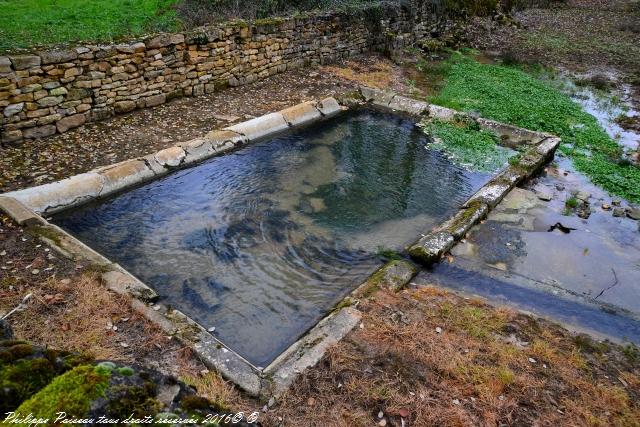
[{"x": 261, "y": 243}]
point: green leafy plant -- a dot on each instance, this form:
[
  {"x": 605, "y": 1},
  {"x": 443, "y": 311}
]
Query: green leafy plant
[{"x": 510, "y": 95}]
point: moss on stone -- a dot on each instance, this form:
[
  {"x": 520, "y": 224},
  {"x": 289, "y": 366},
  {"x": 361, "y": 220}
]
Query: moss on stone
[
  {"x": 195, "y": 403},
  {"x": 48, "y": 233},
  {"x": 21, "y": 380},
  {"x": 137, "y": 400},
  {"x": 71, "y": 392},
  {"x": 268, "y": 21}
]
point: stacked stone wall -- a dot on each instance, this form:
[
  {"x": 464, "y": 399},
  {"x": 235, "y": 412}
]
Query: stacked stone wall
[{"x": 48, "y": 92}]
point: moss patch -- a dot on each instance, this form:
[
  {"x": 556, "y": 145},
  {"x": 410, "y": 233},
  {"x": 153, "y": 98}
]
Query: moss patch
[{"x": 71, "y": 392}]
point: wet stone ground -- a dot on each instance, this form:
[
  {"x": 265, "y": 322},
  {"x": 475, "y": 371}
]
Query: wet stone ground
[{"x": 535, "y": 253}]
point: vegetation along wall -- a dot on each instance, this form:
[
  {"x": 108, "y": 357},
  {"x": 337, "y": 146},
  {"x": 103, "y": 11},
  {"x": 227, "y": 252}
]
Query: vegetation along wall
[{"x": 46, "y": 92}]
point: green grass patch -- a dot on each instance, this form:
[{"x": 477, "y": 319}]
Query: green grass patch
[
  {"x": 468, "y": 145},
  {"x": 510, "y": 95},
  {"x": 27, "y": 23}
]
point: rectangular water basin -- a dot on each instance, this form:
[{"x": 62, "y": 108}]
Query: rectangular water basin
[{"x": 261, "y": 243}]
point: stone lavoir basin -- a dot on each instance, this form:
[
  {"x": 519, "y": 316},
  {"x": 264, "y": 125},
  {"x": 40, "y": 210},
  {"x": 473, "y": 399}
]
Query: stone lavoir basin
[{"x": 258, "y": 245}]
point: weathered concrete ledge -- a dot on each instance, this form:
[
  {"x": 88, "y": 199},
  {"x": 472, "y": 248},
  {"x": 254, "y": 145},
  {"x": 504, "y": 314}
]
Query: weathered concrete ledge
[
  {"x": 104, "y": 181},
  {"x": 308, "y": 350}
]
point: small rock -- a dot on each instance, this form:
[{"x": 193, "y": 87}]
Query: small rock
[
  {"x": 606, "y": 207},
  {"x": 403, "y": 412},
  {"x": 382, "y": 423},
  {"x": 3, "y": 253},
  {"x": 455, "y": 402},
  {"x": 380, "y": 414},
  {"x": 532, "y": 360},
  {"x": 124, "y": 344},
  {"x": 616, "y": 202},
  {"x": 211, "y": 329},
  {"x": 439, "y": 330},
  {"x": 543, "y": 192},
  {"x": 65, "y": 281},
  {"x": 583, "y": 195},
  {"x": 6, "y": 333},
  {"x": 35, "y": 271},
  {"x": 634, "y": 213},
  {"x": 618, "y": 212},
  {"x": 559, "y": 187},
  {"x": 311, "y": 401}
]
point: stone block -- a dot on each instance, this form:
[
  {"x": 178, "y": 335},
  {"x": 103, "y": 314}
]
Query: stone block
[
  {"x": 261, "y": 127},
  {"x": 58, "y": 91},
  {"x": 13, "y": 109},
  {"x": 548, "y": 146},
  {"x": 124, "y": 106},
  {"x": 123, "y": 175},
  {"x": 429, "y": 249},
  {"x": 490, "y": 194},
  {"x": 78, "y": 93},
  {"x": 441, "y": 113},
  {"x": 301, "y": 114},
  {"x": 461, "y": 223},
  {"x": 126, "y": 284},
  {"x": 19, "y": 212},
  {"x": 59, "y": 195},
  {"x": 11, "y": 135},
  {"x": 170, "y": 157},
  {"x": 70, "y": 122},
  {"x": 329, "y": 107},
  {"x": 197, "y": 149},
  {"x": 376, "y": 96},
  {"x": 39, "y": 132},
  {"x": 394, "y": 276},
  {"x": 408, "y": 105},
  {"x": 154, "y": 100},
  {"x": 5, "y": 64},
  {"x": 57, "y": 56},
  {"x": 50, "y": 101},
  {"x": 23, "y": 62}
]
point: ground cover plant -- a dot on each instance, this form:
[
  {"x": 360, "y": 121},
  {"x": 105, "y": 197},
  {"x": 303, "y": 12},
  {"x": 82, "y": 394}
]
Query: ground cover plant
[
  {"x": 25, "y": 23},
  {"x": 510, "y": 95}
]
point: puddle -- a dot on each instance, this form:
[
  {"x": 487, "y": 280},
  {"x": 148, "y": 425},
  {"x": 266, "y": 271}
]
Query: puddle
[
  {"x": 261, "y": 243},
  {"x": 604, "y": 106}
]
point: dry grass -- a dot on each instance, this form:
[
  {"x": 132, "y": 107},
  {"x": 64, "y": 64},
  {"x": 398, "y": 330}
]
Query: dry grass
[
  {"x": 376, "y": 72},
  {"x": 477, "y": 371}
]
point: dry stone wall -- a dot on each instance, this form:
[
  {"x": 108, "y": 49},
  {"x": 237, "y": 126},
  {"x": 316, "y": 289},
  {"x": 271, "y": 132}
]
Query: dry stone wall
[{"x": 48, "y": 92}]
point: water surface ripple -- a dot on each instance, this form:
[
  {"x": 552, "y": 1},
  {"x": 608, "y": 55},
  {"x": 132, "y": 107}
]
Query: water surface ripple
[{"x": 261, "y": 243}]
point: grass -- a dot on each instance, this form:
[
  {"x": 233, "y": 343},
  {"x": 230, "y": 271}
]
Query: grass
[
  {"x": 468, "y": 145},
  {"x": 27, "y": 23},
  {"x": 510, "y": 95},
  {"x": 469, "y": 373}
]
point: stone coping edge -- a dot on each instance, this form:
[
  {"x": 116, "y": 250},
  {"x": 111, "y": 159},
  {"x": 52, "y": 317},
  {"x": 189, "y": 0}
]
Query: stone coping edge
[
  {"x": 74, "y": 191},
  {"x": 540, "y": 148}
]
